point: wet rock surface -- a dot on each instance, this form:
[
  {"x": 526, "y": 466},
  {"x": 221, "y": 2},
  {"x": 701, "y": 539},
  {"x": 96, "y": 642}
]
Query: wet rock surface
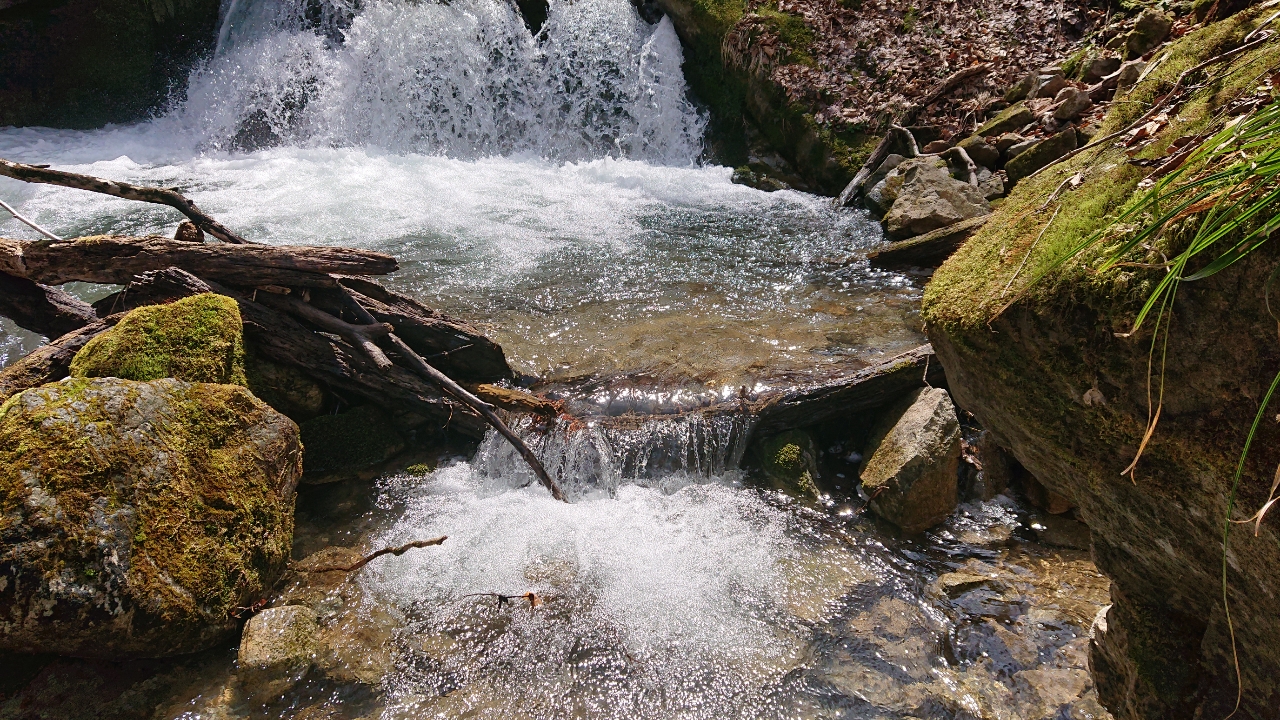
[
  {"x": 911, "y": 461},
  {"x": 926, "y": 197}
]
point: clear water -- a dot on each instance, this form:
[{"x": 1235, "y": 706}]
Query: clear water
[{"x": 550, "y": 189}]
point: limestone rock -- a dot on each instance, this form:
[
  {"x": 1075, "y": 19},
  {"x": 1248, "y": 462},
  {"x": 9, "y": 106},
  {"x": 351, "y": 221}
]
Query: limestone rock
[
  {"x": 790, "y": 462},
  {"x": 1099, "y": 67},
  {"x": 980, "y": 151},
  {"x": 1148, "y": 32},
  {"x": 277, "y": 649},
  {"x": 928, "y": 198},
  {"x": 196, "y": 339},
  {"x": 1011, "y": 118},
  {"x": 1071, "y": 102},
  {"x": 349, "y": 445},
  {"x": 1129, "y": 73},
  {"x": 1040, "y": 154},
  {"x": 136, "y": 516},
  {"x": 1046, "y": 86},
  {"x": 912, "y": 461}
]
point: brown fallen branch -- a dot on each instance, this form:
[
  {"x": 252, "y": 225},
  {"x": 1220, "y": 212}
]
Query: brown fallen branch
[
  {"x": 951, "y": 82},
  {"x": 159, "y": 196},
  {"x": 117, "y": 259},
  {"x": 534, "y": 598},
  {"x": 360, "y": 336},
  {"x": 397, "y": 550},
  {"x": 40, "y": 309},
  {"x": 422, "y": 367}
]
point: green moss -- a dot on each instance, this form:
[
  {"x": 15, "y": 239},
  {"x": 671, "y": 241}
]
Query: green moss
[
  {"x": 789, "y": 461},
  {"x": 1075, "y": 62},
  {"x": 211, "y": 529},
  {"x": 969, "y": 289},
  {"x": 196, "y": 339},
  {"x": 793, "y": 32}
]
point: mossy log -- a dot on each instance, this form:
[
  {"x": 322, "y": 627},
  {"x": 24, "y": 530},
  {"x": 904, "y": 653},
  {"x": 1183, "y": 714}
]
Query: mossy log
[
  {"x": 117, "y": 259},
  {"x": 42, "y": 309}
]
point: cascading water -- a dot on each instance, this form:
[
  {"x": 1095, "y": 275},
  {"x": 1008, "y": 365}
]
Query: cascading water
[{"x": 547, "y": 186}]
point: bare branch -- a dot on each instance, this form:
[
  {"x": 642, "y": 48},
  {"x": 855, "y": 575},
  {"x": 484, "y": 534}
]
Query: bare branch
[{"x": 396, "y": 550}]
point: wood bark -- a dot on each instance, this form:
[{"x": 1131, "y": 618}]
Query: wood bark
[
  {"x": 951, "y": 82},
  {"x": 161, "y": 196},
  {"x": 868, "y": 389},
  {"x": 43, "y": 310},
  {"x": 51, "y": 362},
  {"x": 117, "y": 259}
]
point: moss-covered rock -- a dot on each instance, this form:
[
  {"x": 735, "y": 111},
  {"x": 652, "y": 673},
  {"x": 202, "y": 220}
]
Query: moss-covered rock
[
  {"x": 790, "y": 462},
  {"x": 196, "y": 339},
  {"x": 912, "y": 461},
  {"x": 135, "y": 517},
  {"x": 1058, "y": 378},
  {"x": 284, "y": 387},
  {"x": 1010, "y": 119},
  {"x": 84, "y": 63},
  {"x": 353, "y": 444},
  {"x": 1040, "y": 154}
]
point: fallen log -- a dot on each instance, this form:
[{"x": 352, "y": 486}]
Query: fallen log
[
  {"x": 50, "y": 362},
  {"x": 896, "y": 138},
  {"x": 160, "y": 196},
  {"x": 928, "y": 250},
  {"x": 951, "y": 82},
  {"x": 42, "y": 310},
  {"x": 867, "y": 389},
  {"x": 117, "y": 259}
]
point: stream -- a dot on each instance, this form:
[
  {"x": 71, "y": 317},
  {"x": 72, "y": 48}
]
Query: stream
[{"x": 552, "y": 190}]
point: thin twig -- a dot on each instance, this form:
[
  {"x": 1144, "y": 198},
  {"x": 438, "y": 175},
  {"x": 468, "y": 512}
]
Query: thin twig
[
  {"x": 1030, "y": 250},
  {"x": 29, "y": 223},
  {"x": 534, "y": 598},
  {"x": 397, "y": 550},
  {"x": 159, "y": 196}
]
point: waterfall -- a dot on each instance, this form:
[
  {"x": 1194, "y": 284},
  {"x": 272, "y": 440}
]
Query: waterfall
[{"x": 465, "y": 79}]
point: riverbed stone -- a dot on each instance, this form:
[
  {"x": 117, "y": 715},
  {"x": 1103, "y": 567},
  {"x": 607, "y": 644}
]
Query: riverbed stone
[
  {"x": 1011, "y": 118},
  {"x": 136, "y": 516},
  {"x": 790, "y": 462},
  {"x": 1040, "y": 154},
  {"x": 926, "y": 198},
  {"x": 196, "y": 339},
  {"x": 277, "y": 649},
  {"x": 912, "y": 461}
]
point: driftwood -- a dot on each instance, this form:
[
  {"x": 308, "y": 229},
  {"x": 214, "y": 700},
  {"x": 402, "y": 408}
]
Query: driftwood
[
  {"x": 868, "y": 389},
  {"x": 27, "y": 221},
  {"x": 51, "y": 362},
  {"x": 117, "y": 259},
  {"x": 43, "y": 310},
  {"x": 928, "y": 250},
  {"x": 396, "y": 550},
  {"x": 160, "y": 196},
  {"x": 951, "y": 82},
  {"x": 896, "y": 137}
]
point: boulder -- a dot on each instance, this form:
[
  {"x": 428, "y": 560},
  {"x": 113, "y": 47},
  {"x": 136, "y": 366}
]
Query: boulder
[
  {"x": 353, "y": 444},
  {"x": 912, "y": 461},
  {"x": 1151, "y": 29},
  {"x": 1046, "y": 86},
  {"x": 1018, "y": 148},
  {"x": 980, "y": 151},
  {"x": 196, "y": 339},
  {"x": 1099, "y": 67},
  {"x": 927, "y": 250},
  {"x": 136, "y": 516},
  {"x": 926, "y": 198},
  {"x": 1040, "y": 154},
  {"x": 1071, "y": 102},
  {"x": 1011, "y": 118},
  {"x": 277, "y": 649},
  {"x": 790, "y": 462},
  {"x": 1129, "y": 73},
  {"x": 1008, "y": 140}
]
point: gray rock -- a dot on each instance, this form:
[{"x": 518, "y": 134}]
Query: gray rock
[
  {"x": 1040, "y": 154},
  {"x": 1071, "y": 102},
  {"x": 926, "y": 198},
  {"x": 1008, "y": 140},
  {"x": 1099, "y": 67},
  {"x": 1020, "y": 89},
  {"x": 927, "y": 250},
  {"x": 990, "y": 184},
  {"x": 139, "y": 514},
  {"x": 873, "y": 189},
  {"x": 912, "y": 461},
  {"x": 1046, "y": 86},
  {"x": 1129, "y": 73},
  {"x": 1151, "y": 29},
  {"x": 1019, "y": 148},
  {"x": 277, "y": 650},
  {"x": 981, "y": 151},
  {"x": 1009, "y": 119}
]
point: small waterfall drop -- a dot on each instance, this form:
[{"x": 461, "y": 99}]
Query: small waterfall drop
[{"x": 465, "y": 79}]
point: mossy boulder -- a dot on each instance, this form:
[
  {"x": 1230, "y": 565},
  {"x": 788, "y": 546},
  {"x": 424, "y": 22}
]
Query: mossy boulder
[
  {"x": 135, "y": 517},
  {"x": 196, "y": 339},
  {"x": 1040, "y": 154},
  {"x": 790, "y": 462},
  {"x": 1011, "y": 119},
  {"x": 912, "y": 461},
  {"x": 353, "y": 444},
  {"x": 1052, "y": 369}
]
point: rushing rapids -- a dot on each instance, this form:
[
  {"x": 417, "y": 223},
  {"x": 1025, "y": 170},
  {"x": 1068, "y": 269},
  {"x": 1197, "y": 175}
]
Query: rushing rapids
[{"x": 549, "y": 186}]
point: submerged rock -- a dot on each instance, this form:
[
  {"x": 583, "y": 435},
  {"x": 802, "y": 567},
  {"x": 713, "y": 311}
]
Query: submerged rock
[
  {"x": 352, "y": 444},
  {"x": 136, "y": 516},
  {"x": 912, "y": 461},
  {"x": 926, "y": 198},
  {"x": 196, "y": 339},
  {"x": 277, "y": 649},
  {"x": 790, "y": 462}
]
